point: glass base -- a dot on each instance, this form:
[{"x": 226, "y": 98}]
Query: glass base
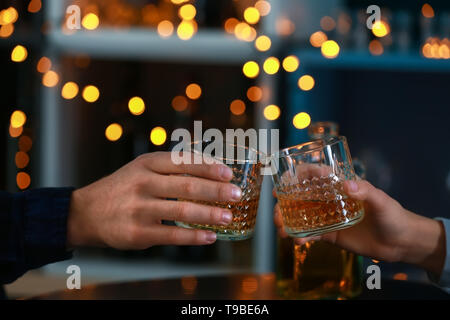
[
  {"x": 292, "y": 232},
  {"x": 228, "y": 235}
]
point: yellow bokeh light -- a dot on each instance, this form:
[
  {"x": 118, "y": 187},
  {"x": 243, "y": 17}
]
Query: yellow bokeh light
[
  {"x": 291, "y": 63},
  {"x": 193, "y": 91},
  {"x": 317, "y": 39},
  {"x": 180, "y": 103},
  {"x": 263, "y": 7},
  {"x": 44, "y": 65},
  {"x": 380, "y": 29},
  {"x": 6, "y": 30},
  {"x": 427, "y": 11},
  {"x": 271, "y": 65},
  {"x": 23, "y": 180},
  {"x": 230, "y": 25},
  {"x": 250, "y": 69},
  {"x": 376, "y": 48},
  {"x": 251, "y": 15},
  {"x": 306, "y": 82},
  {"x": 272, "y": 112},
  {"x": 327, "y": 23},
  {"x": 8, "y": 16},
  {"x": 113, "y": 132},
  {"x": 18, "y": 119},
  {"x": 90, "y": 21},
  {"x": 136, "y": 106},
  {"x": 263, "y": 43},
  {"x": 158, "y": 136},
  {"x": 91, "y": 93},
  {"x": 179, "y": 1},
  {"x": 15, "y": 132},
  {"x": 237, "y": 107},
  {"x": 186, "y": 29},
  {"x": 444, "y": 51},
  {"x": 69, "y": 90},
  {"x": 301, "y": 120},
  {"x": 254, "y": 94},
  {"x": 50, "y": 79},
  {"x": 330, "y": 49},
  {"x": 34, "y": 6},
  {"x": 245, "y": 32},
  {"x": 165, "y": 28},
  {"x": 19, "y": 54},
  {"x": 22, "y": 159},
  {"x": 187, "y": 12}
]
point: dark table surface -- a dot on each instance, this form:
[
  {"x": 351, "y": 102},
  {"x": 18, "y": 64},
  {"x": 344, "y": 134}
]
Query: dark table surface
[{"x": 236, "y": 287}]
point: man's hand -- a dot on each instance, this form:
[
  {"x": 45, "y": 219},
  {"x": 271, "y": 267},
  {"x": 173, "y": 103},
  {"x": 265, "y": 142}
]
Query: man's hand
[
  {"x": 388, "y": 232},
  {"x": 125, "y": 210}
]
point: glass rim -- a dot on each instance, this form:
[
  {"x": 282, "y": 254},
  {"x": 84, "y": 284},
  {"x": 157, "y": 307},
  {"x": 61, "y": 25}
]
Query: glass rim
[
  {"x": 225, "y": 159},
  {"x": 324, "y": 143}
]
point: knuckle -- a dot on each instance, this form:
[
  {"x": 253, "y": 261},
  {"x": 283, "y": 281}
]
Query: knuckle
[
  {"x": 181, "y": 210},
  {"x": 188, "y": 187},
  {"x": 223, "y": 191},
  {"x": 214, "y": 215},
  {"x": 174, "y": 236}
]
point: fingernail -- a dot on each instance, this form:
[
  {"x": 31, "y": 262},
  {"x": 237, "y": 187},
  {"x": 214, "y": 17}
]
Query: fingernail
[
  {"x": 210, "y": 237},
  {"x": 236, "y": 193},
  {"x": 226, "y": 173},
  {"x": 353, "y": 186},
  {"x": 227, "y": 217}
]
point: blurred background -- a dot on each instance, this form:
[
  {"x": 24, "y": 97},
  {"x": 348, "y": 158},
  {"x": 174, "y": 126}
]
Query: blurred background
[{"x": 79, "y": 104}]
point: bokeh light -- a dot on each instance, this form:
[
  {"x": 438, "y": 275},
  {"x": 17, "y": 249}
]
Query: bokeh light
[
  {"x": 25, "y": 143},
  {"x": 306, "y": 82},
  {"x": 330, "y": 49},
  {"x": 158, "y": 136},
  {"x": 263, "y": 43},
  {"x": 272, "y": 112},
  {"x": 8, "y": 16},
  {"x": 250, "y": 69},
  {"x": 291, "y": 63},
  {"x": 19, "y": 53},
  {"x": 18, "y": 119},
  {"x": 180, "y": 103},
  {"x": 186, "y": 29},
  {"x": 50, "y": 79},
  {"x": 380, "y": 29},
  {"x": 23, "y": 180},
  {"x": 44, "y": 65},
  {"x": 263, "y": 7},
  {"x": 427, "y": 11},
  {"x": 318, "y": 38},
  {"x": 34, "y": 6},
  {"x": 6, "y": 30},
  {"x": 15, "y": 132},
  {"x": 254, "y": 94},
  {"x": 327, "y": 23},
  {"x": 136, "y": 106},
  {"x": 165, "y": 28},
  {"x": 284, "y": 26},
  {"x": 376, "y": 47},
  {"x": 90, "y": 21},
  {"x": 22, "y": 159},
  {"x": 91, "y": 94},
  {"x": 187, "y": 12},
  {"x": 301, "y": 120},
  {"x": 237, "y": 107},
  {"x": 271, "y": 65},
  {"x": 193, "y": 91},
  {"x": 251, "y": 15},
  {"x": 69, "y": 90},
  {"x": 230, "y": 25},
  {"x": 114, "y": 132}
]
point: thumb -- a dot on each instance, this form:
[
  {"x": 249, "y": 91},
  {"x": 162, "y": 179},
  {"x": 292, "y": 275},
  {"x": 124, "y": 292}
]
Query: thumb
[{"x": 364, "y": 191}]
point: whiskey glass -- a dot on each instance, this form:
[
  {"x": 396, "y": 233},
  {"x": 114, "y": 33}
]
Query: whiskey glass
[{"x": 308, "y": 181}]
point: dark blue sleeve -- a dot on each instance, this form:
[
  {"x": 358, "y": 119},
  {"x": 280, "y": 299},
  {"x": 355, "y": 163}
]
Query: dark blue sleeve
[{"x": 33, "y": 230}]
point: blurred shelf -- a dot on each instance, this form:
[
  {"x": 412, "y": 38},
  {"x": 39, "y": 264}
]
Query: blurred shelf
[
  {"x": 204, "y": 47},
  {"x": 412, "y": 62}
]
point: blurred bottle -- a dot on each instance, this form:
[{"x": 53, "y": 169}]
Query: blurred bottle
[{"x": 317, "y": 269}]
